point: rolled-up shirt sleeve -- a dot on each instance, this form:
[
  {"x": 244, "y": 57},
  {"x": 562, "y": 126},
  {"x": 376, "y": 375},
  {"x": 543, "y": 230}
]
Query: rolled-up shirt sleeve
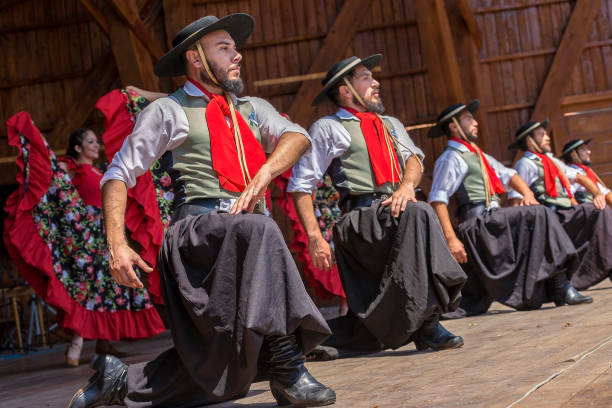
[
  {"x": 272, "y": 124},
  {"x": 311, "y": 167},
  {"x": 504, "y": 173},
  {"x": 159, "y": 127},
  {"x": 449, "y": 172},
  {"x": 407, "y": 146}
]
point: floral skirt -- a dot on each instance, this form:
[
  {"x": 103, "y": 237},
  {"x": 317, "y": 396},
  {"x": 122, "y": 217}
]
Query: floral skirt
[{"x": 59, "y": 246}]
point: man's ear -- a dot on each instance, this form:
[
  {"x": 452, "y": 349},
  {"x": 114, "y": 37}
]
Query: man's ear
[
  {"x": 193, "y": 58},
  {"x": 452, "y": 127},
  {"x": 345, "y": 92}
]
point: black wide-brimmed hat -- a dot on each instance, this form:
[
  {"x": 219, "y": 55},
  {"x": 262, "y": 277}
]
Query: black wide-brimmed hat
[
  {"x": 449, "y": 113},
  {"x": 573, "y": 145},
  {"x": 525, "y": 130},
  {"x": 340, "y": 69},
  {"x": 239, "y": 26}
]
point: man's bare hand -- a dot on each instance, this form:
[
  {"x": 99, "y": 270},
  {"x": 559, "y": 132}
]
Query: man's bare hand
[
  {"x": 121, "y": 260},
  {"x": 599, "y": 201},
  {"x": 399, "y": 199},
  {"x": 529, "y": 199},
  {"x": 253, "y": 192},
  {"x": 457, "y": 249},
  {"x": 320, "y": 253}
]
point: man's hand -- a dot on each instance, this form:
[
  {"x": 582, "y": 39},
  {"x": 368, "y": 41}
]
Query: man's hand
[
  {"x": 121, "y": 260},
  {"x": 254, "y": 191},
  {"x": 529, "y": 199},
  {"x": 599, "y": 201},
  {"x": 457, "y": 249},
  {"x": 320, "y": 253},
  {"x": 399, "y": 199}
]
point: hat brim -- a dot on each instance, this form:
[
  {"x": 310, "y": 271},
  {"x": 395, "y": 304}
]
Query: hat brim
[
  {"x": 368, "y": 62},
  {"x": 437, "y": 131},
  {"x": 516, "y": 144},
  {"x": 575, "y": 146},
  {"x": 238, "y": 25}
]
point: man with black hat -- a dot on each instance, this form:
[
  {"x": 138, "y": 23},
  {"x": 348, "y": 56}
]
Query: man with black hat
[
  {"x": 396, "y": 270},
  {"x": 588, "y": 225},
  {"x": 510, "y": 255},
  {"x": 577, "y": 155},
  {"x": 234, "y": 297}
]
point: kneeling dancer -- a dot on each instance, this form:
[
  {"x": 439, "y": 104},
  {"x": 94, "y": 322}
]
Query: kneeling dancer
[
  {"x": 511, "y": 255},
  {"x": 395, "y": 267},
  {"x": 234, "y": 297},
  {"x": 589, "y": 225}
]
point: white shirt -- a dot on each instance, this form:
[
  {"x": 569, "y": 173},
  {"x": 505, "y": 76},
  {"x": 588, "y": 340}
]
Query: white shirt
[
  {"x": 451, "y": 169},
  {"x": 163, "y": 126},
  {"x": 577, "y": 187},
  {"x": 528, "y": 171},
  {"x": 330, "y": 140}
]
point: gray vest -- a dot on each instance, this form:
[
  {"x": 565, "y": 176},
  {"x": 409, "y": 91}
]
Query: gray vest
[
  {"x": 472, "y": 188},
  {"x": 539, "y": 189},
  {"x": 192, "y": 171},
  {"x": 349, "y": 172}
]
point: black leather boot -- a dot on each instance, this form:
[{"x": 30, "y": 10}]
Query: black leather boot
[
  {"x": 290, "y": 381},
  {"x": 107, "y": 386},
  {"x": 433, "y": 335},
  {"x": 564, "y": 292}
]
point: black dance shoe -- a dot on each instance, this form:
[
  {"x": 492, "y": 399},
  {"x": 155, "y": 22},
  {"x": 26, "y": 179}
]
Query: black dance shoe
[
  {"x": 290, "y": 381},
  {"x": 564, "y": 292},
  {"x": 433, "y": 335},
  {"x": 107, "y": 386}
]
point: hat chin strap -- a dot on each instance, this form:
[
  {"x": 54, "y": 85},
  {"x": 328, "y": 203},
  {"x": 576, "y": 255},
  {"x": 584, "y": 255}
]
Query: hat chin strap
[
  {"x": 230, "y": 101},
  {"x": 388, "y": 135},
  {"x": 535, "y": 145}
]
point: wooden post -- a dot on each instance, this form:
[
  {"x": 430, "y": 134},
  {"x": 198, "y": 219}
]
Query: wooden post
[
  {"x": 177, "y": 14},
  {"x": 566, "y": 58},
  {"x": 338, "y": 38},
  {"x": 439, "y": 52}
]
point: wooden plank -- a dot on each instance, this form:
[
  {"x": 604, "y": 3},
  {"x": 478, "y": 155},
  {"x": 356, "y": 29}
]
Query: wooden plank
[
  {"x": 568, "y": 54},
  {"x": 96, "y": 14},
  {"x": 517, "y": 6},
  {"x": 441, "y": 60},
  {"x": 338, "y": 38},
  {"x": 177, "y": 14},
  {"x": 132, "y": 59}
]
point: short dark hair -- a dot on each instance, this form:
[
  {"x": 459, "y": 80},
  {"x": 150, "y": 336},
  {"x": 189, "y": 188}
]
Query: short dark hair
[
  {"x": 76, "y": 139},
  {"x": 334, "y": 91}
]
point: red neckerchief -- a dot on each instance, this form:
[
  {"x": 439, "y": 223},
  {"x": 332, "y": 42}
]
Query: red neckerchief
[
  {"x": 495, "y": 186},
  {"x": 551, "y": 172},
  {"x": 374, "y": 135},
  {"x": 223, "y": 150},
  {"x": 590, "y": 173}
]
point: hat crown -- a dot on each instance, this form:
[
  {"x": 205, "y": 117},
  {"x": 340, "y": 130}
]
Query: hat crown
[
  {"x": 192, "y": 28},
  {"x": 524, "y": 128},
  {"x": 337, "y": 67},
  {"x": 458, "y": 107}
]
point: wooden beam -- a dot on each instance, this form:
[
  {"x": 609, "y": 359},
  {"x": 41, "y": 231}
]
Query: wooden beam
[
  {"x": 439, "y": 52},
  {"x": 177, "y": 14},
  {"x": 566, "y": 58},
  {"x": 43, "y": 26},
  {"x": 131, "y": 57},
  {"x": 519, "y": 6},
  {"x": 9, "y": 3},
  {"x": 96, "y": 14},
  {"x": 127, "y": 10},
  {"x": 338, "y": 38},
  {"x": 470, "y": 21}
]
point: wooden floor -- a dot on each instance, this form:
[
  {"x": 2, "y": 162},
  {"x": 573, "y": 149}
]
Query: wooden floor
[{"x": 506, "y": 354}]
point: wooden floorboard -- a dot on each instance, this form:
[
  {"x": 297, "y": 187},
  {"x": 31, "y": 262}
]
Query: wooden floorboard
[{"x": 506, "y": 354}]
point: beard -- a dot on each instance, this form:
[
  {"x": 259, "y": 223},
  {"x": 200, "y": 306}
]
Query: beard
[
  {"x": 374, "y": 107},
  {"x": 234, "y": 86}
]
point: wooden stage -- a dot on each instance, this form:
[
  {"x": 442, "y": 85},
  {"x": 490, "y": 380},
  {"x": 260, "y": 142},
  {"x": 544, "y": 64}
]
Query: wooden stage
[{"x": 506, "y": 354}]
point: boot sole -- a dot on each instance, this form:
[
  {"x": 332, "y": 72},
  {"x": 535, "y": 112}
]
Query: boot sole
[
  {"x": 422, "y": 346},
  {"x": 282, "y": 401},
  {"x": 94, "y": 365}
]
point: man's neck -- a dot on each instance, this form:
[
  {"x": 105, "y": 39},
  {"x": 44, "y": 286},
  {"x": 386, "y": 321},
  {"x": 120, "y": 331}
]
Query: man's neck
[
  {"x": 352, "y": 105},
  {"x": 214, "y": 89}
]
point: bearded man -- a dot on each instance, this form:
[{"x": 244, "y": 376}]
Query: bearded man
[
  {"x": 234, "y": 297},
  {"x": 395, "y": 267}
]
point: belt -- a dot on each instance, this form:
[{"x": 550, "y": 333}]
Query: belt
[
  {"x": 204, "y": 205},
  {"x": 472, "y": 210},
  {"x": 352, "y": 202}
]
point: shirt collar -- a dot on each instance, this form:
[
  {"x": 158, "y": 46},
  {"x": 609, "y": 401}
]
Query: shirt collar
[
  {"x": 458, "y": 146},
  {"x": 192, "y": 90},
  {"x": 344, "y": 114},
  {"x": 532, "y": 156}
]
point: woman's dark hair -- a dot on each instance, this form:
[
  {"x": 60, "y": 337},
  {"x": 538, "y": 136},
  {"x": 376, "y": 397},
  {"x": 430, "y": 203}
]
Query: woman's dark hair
[{"x": 76, "y": 139}]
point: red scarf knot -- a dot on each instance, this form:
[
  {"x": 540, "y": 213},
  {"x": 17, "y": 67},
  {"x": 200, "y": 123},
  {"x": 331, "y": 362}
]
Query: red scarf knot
[
  {"x": 225, "y": 157},
  {"x": 495, "y": 185},
  {"x": 551, "y": 172},
  {"x": 384, "y": 163}
]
